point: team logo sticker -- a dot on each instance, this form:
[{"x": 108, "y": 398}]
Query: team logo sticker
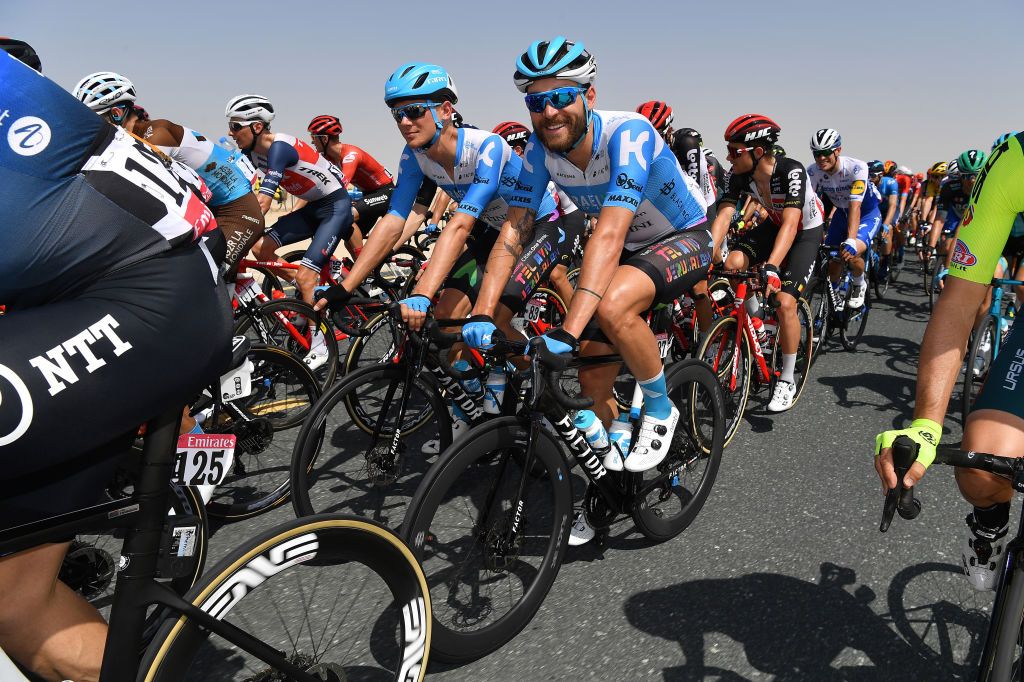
[
  {"x": 962, "y": 255},
  {"x": 857, "y": 187},
  {"x": 28, "y": 136}
]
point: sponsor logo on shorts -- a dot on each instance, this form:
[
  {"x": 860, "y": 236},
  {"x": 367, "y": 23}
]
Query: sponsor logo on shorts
[
  {"x": 1016, "y": 366},
  {"x": 962, "y": 255}
]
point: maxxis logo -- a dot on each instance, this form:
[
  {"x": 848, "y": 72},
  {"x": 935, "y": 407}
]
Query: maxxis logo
[
  {"x": 28, "y": 136},
  {"x": 23, "y": 396}
]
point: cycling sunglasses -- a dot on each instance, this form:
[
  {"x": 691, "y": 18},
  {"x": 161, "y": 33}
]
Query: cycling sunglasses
[
  {"x": 413, "y": 112},
  {"x": 235, "y": 126},
  {"x": 823, "y": 153},
  {"x": 733, "y": 154},
  {"x": 559, "y": 98}
]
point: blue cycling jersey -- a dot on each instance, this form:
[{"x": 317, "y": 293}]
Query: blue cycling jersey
[
  {"x": 630, "y": 166},
  {"x": 228, "y": 174},
  {"x": 80, "y": 197},
  {"x": 887, "y": 188},
  {"x": 486, "y": 170}
]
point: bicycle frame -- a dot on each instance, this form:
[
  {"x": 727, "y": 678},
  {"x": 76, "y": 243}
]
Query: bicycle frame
[
  {"x": 744, "y": 327},
  {"x": 995, "y": 309}
]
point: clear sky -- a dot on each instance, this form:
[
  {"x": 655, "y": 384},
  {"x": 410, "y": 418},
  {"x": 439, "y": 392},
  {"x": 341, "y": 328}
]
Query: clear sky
[{"x": 913, "y": 81}]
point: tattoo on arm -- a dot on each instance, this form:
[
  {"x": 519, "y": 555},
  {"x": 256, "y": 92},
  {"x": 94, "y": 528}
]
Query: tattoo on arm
[
  {"x": 591, "y": 292},
  {"x": 524, "y": 228}
]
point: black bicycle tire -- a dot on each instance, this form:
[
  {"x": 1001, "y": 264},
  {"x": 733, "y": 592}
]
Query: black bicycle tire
[
  {"x": 451, "y": 646},
  {"x": 358, "y": 344},
  {"x": 732, "y": 425},
  {"x": 356, "y": 539},
  {"x": 306, "y": 450},
  {"x": 246, "y": 321},
  {"x": 804, "y": 364},
  {"x": 820, "y": 305},
  {"x": 237, "y": 511},
  {"x": 989, "y": 323},
  {"x": 850, "y": 341},
  {"x": 648, "y": 519}
]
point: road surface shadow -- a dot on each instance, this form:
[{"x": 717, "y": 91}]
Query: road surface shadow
[{"x": 788, "y": 628}]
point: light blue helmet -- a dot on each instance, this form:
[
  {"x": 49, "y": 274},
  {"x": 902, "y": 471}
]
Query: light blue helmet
[
  {"x": 1003, "y": 138},
  {"x": 419, "y": 79},
  {"x": 555, "y": 58}
]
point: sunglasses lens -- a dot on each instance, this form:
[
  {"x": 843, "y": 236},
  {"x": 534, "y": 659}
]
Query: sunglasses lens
[
  {"x": 559, "y": 99},
  {"x": 412, "y": 112}
]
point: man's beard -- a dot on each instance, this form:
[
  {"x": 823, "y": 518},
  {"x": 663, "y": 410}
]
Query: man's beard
[{"x": 577, "y": 127}]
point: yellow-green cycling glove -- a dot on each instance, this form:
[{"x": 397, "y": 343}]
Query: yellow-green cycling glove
[{"x": 924, "y": 432}]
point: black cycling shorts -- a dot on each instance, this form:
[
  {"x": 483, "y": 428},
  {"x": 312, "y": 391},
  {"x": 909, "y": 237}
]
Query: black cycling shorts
[
  {"x": 674, "y": 263},
  {"x": 327, "y": 220},
  {"x": 372, "y": 207},
  {"x": 553, "y": 243},
  {"x": 79, "y": 375},
  {"x": 1013, "y": 252},
  {"x": 468, "y": 272},
  {"x": 425, "y": 197},
  {"x": 1004, "y": 387},
  {"x": 758, "y": 242}
]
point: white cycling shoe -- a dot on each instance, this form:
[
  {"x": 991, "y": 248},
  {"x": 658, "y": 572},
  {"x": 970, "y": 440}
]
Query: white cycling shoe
[
  {"x": 783, "y": 397},
  {"x": 652, "y": 444},
  {"x": 983, "y": 553},
  {"x": 859, "y": 292},
  {"x": 582, "y": 532}
]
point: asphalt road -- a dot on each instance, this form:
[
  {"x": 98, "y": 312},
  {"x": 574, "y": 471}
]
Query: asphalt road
[{"x": 784, "y": 574}]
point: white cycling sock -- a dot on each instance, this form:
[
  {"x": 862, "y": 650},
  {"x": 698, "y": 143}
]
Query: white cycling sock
[
  {"x": 858, "y": 279},
  {"x": 753, "y": 306},
  {"x": 788, "y": 367}
]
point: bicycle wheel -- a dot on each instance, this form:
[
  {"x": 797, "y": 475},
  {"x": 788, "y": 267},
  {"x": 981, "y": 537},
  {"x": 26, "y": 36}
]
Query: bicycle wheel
[
  {"x": 298, "y": 329},
  {"x": 804, "y": 352},
  {"x": 380, "y": 345},
  {"x": 880, "y": 283},
  {"x": 368, "y": 466},
  {"x": 854, "y": 320},
  {"x": 977, "y": 364},
  {"x": 487, "y": 582},
  {"x": 339, "y": 597},
  {"x": 820, "y": 306},
  {"x": 90, "y": 566},
  {"x": 283, "y": 393},
  {"x": 732, "y": 366},
  {"x": 673, "y": 493}
]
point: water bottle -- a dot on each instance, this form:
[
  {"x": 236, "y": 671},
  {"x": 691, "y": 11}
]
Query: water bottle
[
  {"x": 759, "y": 330},
  {"x": 771, "y": 327},
  {"x": 592, "y": 428},
  {"x": 620, "y": 437},
  {"x": 471, "y": 385},
  {"x": 495, "y": 393}
]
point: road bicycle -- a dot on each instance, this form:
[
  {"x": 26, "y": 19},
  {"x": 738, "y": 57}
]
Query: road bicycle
[{"x": 830, "y": 304}]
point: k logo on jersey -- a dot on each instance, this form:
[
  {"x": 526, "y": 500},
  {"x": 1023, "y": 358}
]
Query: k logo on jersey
[{"x": 962, "y": 255}]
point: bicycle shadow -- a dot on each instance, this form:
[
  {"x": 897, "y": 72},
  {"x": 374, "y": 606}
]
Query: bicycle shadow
[
  {"x": 896, "y": 392},
  {"x": 788, "y": 628}
]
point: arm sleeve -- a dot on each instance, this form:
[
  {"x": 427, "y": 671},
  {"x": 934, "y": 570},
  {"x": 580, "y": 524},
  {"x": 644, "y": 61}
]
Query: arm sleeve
[
  {"x": 407, "y": 185},
  {"x": 997, "y": 198},
  {"x": 796, "y": 185},
  {"x": 859, "y": 186},
  {"x": 486, "y": 178},
  {"x": 533, "y": 178},
  {"x": 630, "y": 155},
  {"x": 280, "y": 156}
]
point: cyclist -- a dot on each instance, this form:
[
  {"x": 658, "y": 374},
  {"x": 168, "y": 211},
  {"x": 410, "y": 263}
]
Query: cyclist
[
  {"x": 650, "y": 243},
  {"x": 229, "y": 175},
  {"x": 786, "y": 243},
  {"x": 687, "y": 146},
  {"x": 103, "y": 268},
  {"x": 475, "y": 168},
  {"x": 953, "y": 200},
  {"x": 361, "y": 170},
  {"x": 556, "y": 241},
  {"x": 996, "y": 423},
  {"x": 324, "y": 212},
  {"x": 660, "y": 116}
]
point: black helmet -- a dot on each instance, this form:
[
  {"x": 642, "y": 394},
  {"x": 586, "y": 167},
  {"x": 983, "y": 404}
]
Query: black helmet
[
  {"x": 688, "y": 132},
  {"x": 19, "y": 49}
]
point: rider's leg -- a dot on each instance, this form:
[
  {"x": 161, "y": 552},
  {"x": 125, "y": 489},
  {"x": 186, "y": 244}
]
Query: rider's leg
[
  {"x": 561, "y": 284},
  {"x": 67, "y": 635}
]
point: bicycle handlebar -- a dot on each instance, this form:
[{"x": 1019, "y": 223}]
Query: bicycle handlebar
[{"x": 341, "y": 322}]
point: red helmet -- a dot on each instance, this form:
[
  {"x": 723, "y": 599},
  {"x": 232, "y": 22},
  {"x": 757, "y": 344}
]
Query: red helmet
[
  {"x": 658, "y": 113},
  {"x": 325, "y": 125},
  {"x": 889, "y": 168},
  {"x": 919, "y": 177},
  {"x": 516, "y": 134},
  {"x": 755, "y": 128}
]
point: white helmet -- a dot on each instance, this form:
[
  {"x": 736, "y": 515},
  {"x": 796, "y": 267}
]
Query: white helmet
[
  {"x": 104, "y": 89},
  {"x": 826, "y": 139},
  {"x": 250, "y": 108},
  {"x": 903, "y": 170}
]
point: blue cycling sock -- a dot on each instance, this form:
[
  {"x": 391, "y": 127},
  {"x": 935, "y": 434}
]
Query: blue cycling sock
[
  {"x": 197, "y": 429},
  {"x": 656, "y": 396}
]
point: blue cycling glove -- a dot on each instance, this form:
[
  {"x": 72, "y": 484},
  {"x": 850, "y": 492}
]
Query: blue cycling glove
[
  {"x": 555, "y": 342},
  {"x": 432, "y": 228},
  {"x": 419, "y": 303},
  {"x": 478, "y": 331},
  {"x": 850, "y": 247}
]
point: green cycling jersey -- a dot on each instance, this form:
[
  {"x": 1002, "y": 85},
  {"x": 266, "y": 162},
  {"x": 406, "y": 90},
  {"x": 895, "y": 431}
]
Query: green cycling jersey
[{"x": 996, "y": 201}]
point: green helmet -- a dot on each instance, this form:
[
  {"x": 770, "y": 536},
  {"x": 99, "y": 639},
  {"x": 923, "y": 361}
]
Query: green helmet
[{"x": 970, "y": 162}]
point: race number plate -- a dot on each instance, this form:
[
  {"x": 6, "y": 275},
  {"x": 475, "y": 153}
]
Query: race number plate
[
  {"x": 203, "y": 458},
  {"x": 533, "y": 310},
  {"x": 664, "y": 344}
]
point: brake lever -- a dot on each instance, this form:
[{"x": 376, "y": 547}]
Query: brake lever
[{"x": 901, "y": 498}]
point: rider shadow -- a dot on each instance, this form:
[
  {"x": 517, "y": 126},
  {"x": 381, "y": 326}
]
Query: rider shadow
[
  {"x": 900, "y": 354},
  {"x": 908, "y": 310},
  {"x": 788, "y": 628},
  {"x": 896, "y": 392}
]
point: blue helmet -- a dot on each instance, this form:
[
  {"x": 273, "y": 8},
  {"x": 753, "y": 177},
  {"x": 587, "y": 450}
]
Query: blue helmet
[
  {"x": 556, "y": 58},
  {"x": 1003, "y": 138},
  {"x": 419, "y": 79}
]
